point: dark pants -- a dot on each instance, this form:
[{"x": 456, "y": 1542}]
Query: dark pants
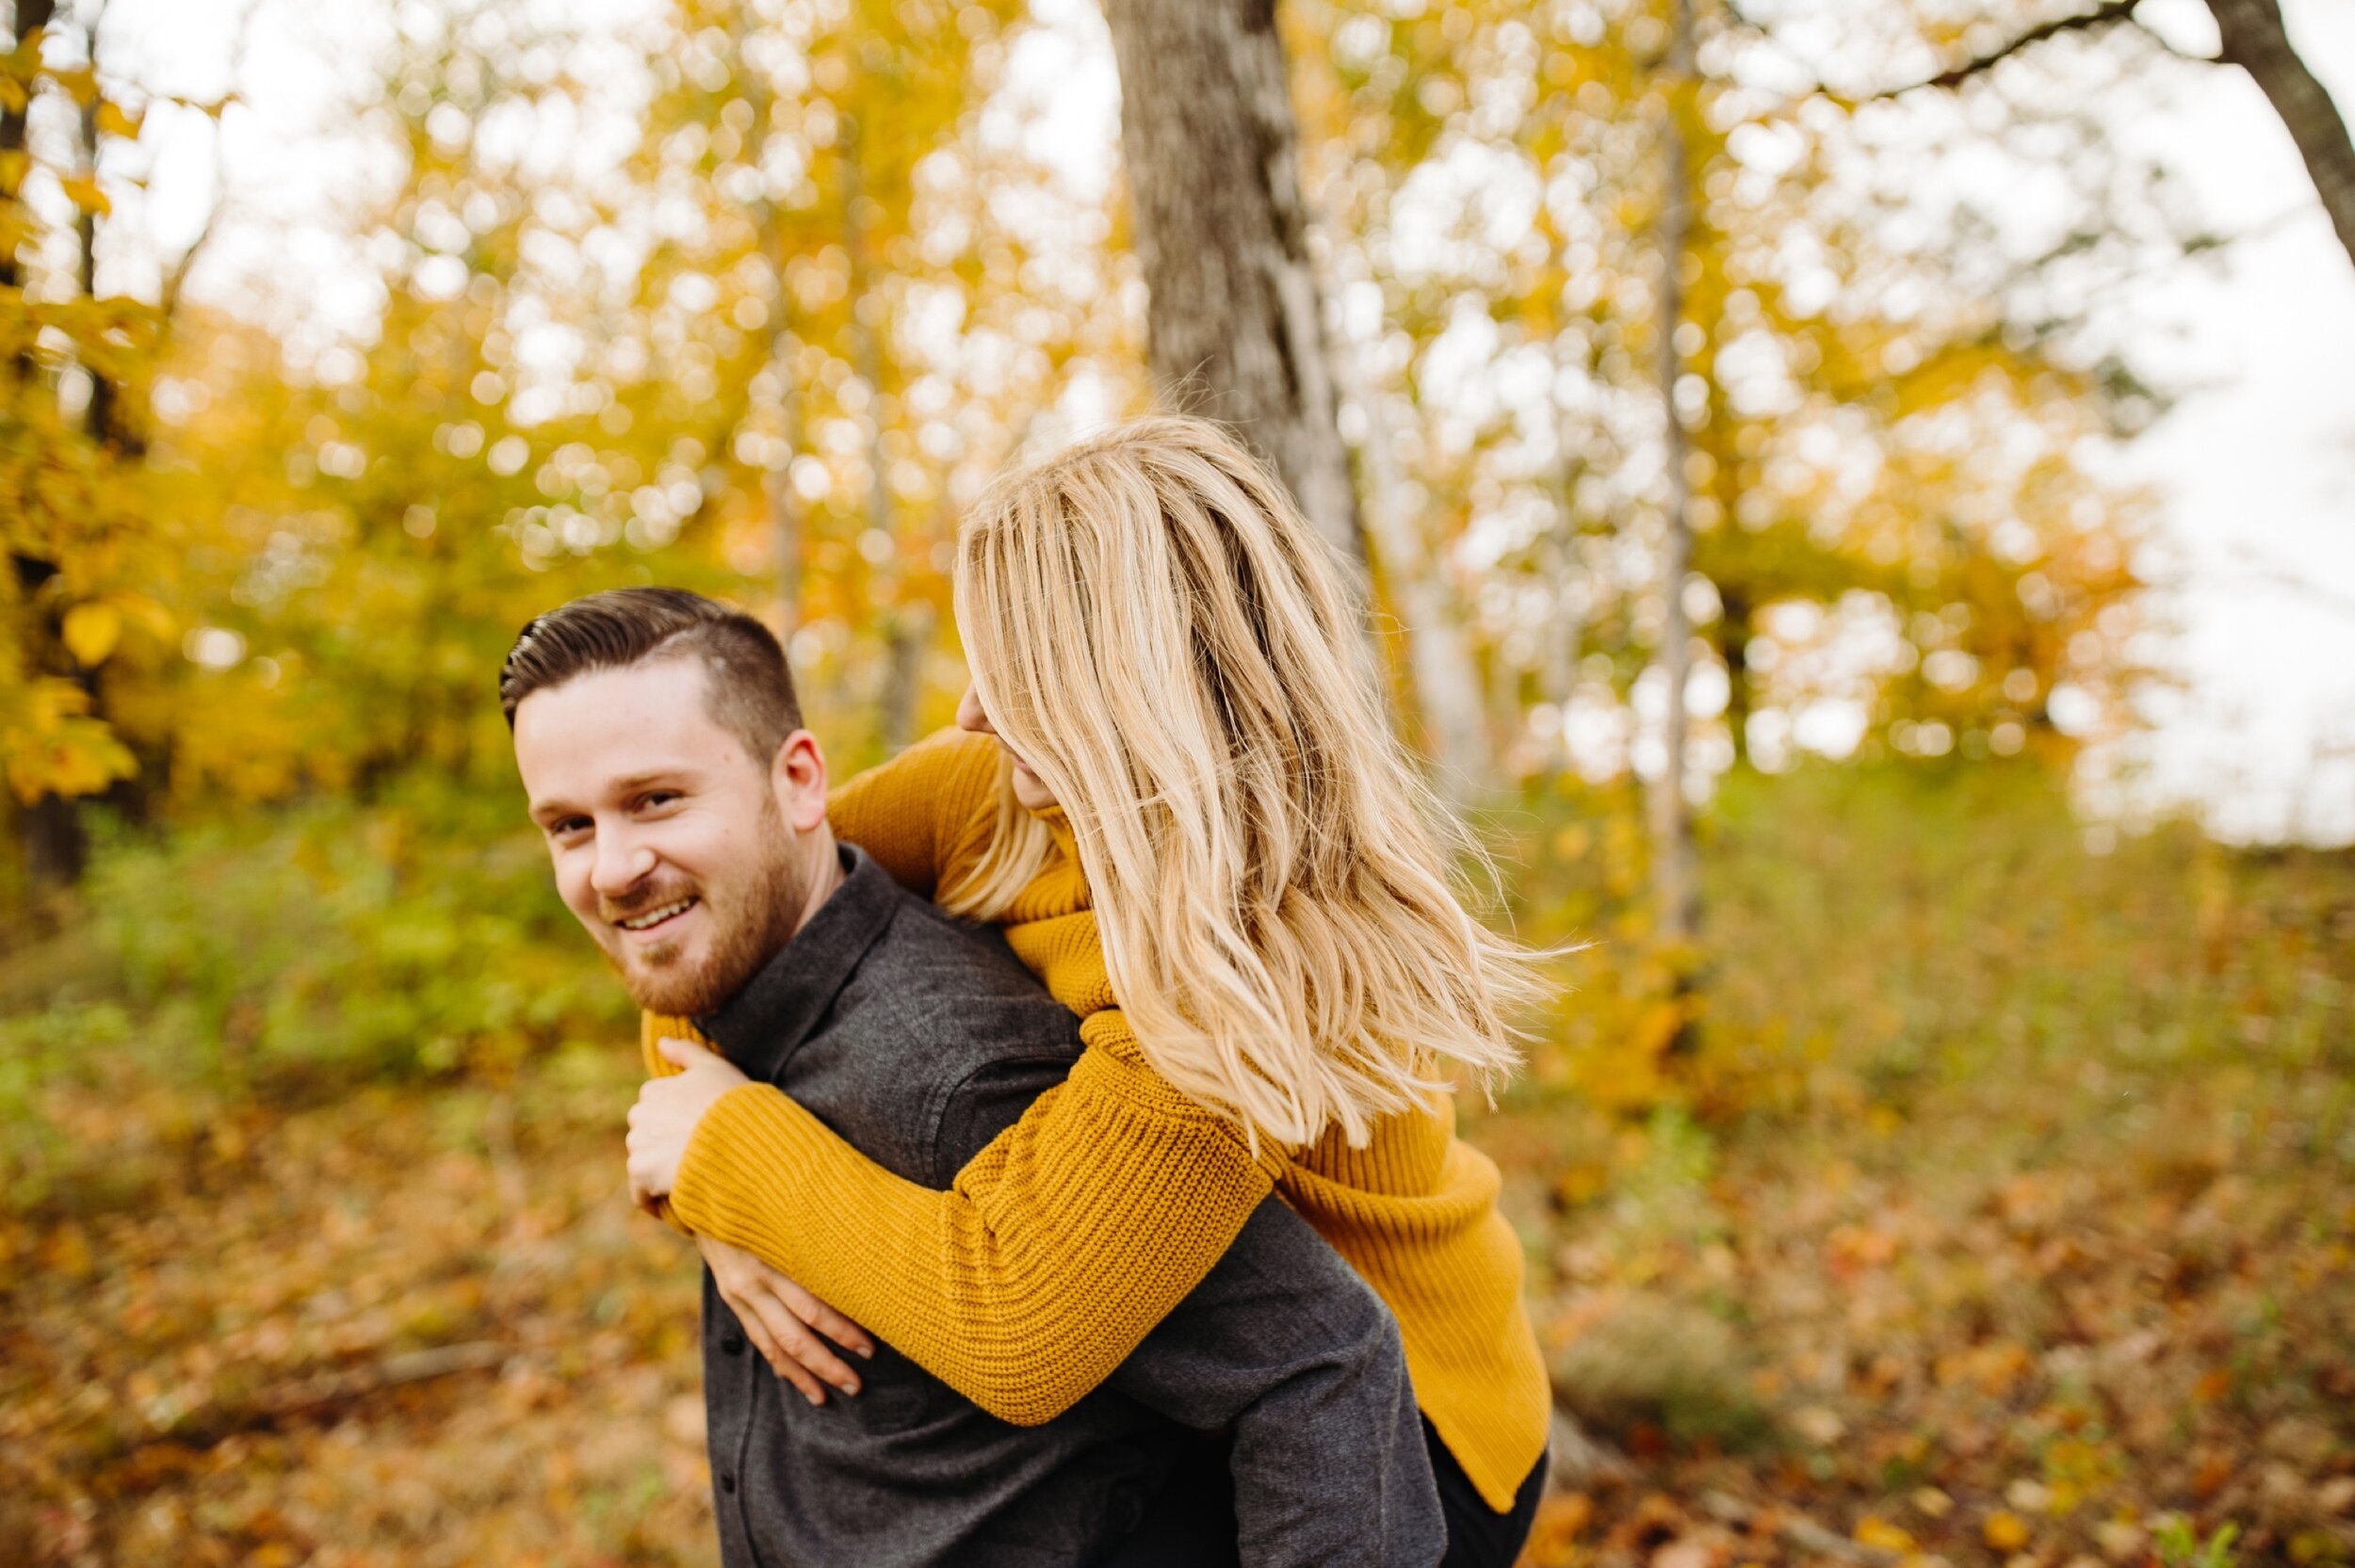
[
  {"x": 1190, "y": 1523},
  {"x": 1477, "y": 1535}
]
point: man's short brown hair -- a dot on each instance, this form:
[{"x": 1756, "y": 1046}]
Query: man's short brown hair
[{"x": 748, "y": 690}]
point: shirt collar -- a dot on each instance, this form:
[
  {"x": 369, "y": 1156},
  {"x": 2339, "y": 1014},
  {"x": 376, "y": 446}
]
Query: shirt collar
[{"x": 759, "y": 1027}]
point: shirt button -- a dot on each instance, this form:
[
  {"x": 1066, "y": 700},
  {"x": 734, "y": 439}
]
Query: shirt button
[
  {"x": 732, "y": 1344},
  {"x": 727, "y": 1482}
]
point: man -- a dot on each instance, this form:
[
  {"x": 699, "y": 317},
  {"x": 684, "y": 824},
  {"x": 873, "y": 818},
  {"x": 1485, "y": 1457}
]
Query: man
[{"x": 684, "y": 807}]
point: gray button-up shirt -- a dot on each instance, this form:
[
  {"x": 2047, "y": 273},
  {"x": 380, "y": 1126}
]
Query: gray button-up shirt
[{"x": 919, "y": 1039}]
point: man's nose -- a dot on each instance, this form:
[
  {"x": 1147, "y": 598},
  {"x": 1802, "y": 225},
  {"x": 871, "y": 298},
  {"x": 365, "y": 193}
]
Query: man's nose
[{"x": 621, "y": 863}]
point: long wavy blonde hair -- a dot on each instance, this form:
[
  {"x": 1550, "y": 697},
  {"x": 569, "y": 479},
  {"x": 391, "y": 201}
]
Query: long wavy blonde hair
[{"x": 1155, "y": 630}]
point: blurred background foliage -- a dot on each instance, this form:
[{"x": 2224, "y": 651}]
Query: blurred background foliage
[{"x": 751, "y": 296}]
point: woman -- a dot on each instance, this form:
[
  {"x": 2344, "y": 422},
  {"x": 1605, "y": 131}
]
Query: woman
[{"x": 1195, "y": 826}]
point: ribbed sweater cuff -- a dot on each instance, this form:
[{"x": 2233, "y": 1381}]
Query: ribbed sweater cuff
[{"x": 744, "y": 1179}]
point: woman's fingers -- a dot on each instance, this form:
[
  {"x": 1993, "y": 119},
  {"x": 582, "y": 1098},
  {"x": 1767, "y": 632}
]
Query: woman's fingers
[
  {"x": 763, "y": 1336},
  {"x": 777, "y": 1315},
  {"x": 803, "y": 1354},
  {"x": 818, "y": 1316}
]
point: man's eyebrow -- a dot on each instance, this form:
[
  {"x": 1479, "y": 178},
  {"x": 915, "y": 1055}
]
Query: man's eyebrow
[
  {"x": 548, "y": 811},
  {"x": 651, "y": 776}
]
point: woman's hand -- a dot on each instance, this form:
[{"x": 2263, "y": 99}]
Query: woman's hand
[
  {"x": 665, "y": 1115},
  {"x": 778, "y": 1315}
]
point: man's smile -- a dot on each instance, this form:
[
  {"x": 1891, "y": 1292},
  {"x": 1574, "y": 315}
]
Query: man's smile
[{"x": 660, "y": 919}]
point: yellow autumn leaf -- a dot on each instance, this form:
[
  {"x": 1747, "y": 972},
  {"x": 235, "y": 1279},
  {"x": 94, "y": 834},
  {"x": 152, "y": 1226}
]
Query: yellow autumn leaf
[
  {"x": 116, "y": 121},
  {"x": 86, "y": 195},
  {"x": 1879, "y": 1533},
  {"x": 91, "y": 632},
  {"x": 86, "y": 760},
  {"x": 140, "y": 611},
  {"x": 79, "y": 83},
  {"x": 1655, "y": 1026},
  {"x": 2005, "y": 1532},
  {"x": 53, "y": 748}
]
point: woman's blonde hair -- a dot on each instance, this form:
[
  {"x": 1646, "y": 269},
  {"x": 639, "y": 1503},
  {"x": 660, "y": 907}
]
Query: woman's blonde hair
[{"x": 1155, "y": 630}]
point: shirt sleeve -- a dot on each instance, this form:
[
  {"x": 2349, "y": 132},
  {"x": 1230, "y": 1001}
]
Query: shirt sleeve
[{"x": 1051, "y": 1256}]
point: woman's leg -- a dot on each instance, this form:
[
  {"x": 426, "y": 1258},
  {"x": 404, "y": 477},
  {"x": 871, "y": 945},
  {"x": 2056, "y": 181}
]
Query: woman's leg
[
  {"x": 1477, "y": 1535},
  {"x": 1190, "y": 1522}
]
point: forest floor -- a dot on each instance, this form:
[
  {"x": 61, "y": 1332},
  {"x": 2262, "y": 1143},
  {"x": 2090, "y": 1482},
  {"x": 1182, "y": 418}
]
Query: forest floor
[{"x": 2044, "y": 1255}]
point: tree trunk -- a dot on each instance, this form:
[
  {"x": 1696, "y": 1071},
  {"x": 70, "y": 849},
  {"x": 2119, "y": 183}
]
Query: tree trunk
[
  {"x": 785, "y": 518},
  {"x": 910, "y": 624},
  {"x": 1675, "y": 873},
  {"x": 1736, "y": 623},
  {"x": 1212, "y": 147},
  {"x": 903, "y": 676},
  {"x": 2255, "y": 40},
  {"x": 1558, "y": 664},
  {"x": 782, "y": 348},
  {"x": 30, "y": 17},
  {"x": 1439, "y": 662},
  {"x": 54, "y": 842}
]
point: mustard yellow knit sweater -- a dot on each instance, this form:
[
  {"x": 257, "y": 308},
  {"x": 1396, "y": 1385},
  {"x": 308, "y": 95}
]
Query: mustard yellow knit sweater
[{"x": 1080, "y": 1227}]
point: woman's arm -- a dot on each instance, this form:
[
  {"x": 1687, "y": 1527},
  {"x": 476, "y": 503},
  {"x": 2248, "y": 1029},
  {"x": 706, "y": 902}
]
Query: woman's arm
[
  {"x": 914, "y": 813},
  {"x": 1056, "y": 1250}
]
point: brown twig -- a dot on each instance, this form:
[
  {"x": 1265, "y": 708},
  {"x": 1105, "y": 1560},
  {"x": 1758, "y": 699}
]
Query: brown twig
[
  {"x": 2107, "y": 15},
  {"x": 330, "y": 1389},
  {"x": 327, "y": 1391},
  {"x": 1796, "y": 1530}
]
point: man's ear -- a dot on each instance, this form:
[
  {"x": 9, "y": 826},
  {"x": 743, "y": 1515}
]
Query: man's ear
[{"x": 799, "y": 777}]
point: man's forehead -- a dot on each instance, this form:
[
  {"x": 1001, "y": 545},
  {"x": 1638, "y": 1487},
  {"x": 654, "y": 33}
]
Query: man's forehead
[{"x": 610, "y": 725}]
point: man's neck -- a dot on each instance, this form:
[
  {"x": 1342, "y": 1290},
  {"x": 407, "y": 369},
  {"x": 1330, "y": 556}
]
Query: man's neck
[{"x": 825, "y": 874}]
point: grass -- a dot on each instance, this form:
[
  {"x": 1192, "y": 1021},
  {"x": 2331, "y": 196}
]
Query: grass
[{"x": 2028, "y": 1199}]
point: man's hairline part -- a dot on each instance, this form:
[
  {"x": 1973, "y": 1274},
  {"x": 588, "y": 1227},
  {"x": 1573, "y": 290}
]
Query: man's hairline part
[{"x": 675, "y": 649}]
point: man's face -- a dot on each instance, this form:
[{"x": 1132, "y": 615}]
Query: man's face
[{"x": 668, "y": 839}]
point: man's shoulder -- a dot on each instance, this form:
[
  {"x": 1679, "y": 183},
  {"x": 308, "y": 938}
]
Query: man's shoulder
[
  {"x": 938, "y": 1039},
  {"x": 963, "y": 982}
]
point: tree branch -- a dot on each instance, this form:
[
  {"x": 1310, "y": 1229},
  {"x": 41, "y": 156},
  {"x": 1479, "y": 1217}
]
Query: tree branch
[
  {"x": 2162, "y": 41},
  {"x": 176, "y": 274},
  {"x": 2107, "y": 15}
]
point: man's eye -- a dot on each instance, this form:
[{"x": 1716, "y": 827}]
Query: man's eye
[
  {"x": 564, "y": 827},
  {"x": 661, "y": 797}
]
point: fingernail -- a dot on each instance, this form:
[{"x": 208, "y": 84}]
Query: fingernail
[
  {"x": 848, "y": 1385},
  {"x": 867, "y": 1353},
  {"x": 818, "y": 1398}
]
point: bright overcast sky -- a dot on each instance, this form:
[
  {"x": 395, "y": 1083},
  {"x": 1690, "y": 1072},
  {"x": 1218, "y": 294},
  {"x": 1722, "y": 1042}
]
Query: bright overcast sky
[{"x": 2256, "y": 466}]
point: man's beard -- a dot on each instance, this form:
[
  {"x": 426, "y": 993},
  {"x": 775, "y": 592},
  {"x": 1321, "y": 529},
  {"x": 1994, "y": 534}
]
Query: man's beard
[{"x": 750, "y": 923}]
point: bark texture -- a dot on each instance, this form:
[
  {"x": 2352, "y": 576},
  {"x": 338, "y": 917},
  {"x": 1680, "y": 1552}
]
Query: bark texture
[
  {"x": 55, "y": 845},
  {"x": 2255, "y": 40},
  {"x": 1440, "y": 663},
  {"x": 1212, "y": 146},
  {"x": 1676, "y": 876}
]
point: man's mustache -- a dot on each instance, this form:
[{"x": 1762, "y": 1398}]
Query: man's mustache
[{"x": 651, "y": 897}]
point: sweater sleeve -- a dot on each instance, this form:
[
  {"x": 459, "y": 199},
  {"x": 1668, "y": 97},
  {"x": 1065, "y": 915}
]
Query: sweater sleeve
[
  {"x": 1056, "y": 1250},
  {"x": 652, "y": 1029},
  {"x": 909, "y": 813}
]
